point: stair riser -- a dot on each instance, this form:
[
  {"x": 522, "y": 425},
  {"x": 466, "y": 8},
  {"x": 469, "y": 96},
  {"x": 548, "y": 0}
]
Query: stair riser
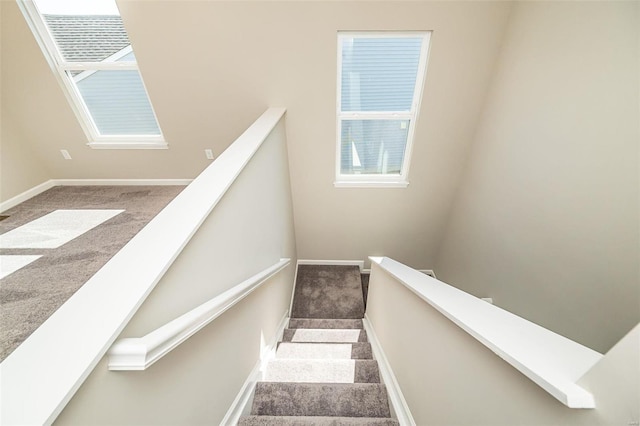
[
  {"x": 322, "y": 371},
  {"x": 324, "y": 335},
  {"x": 289, "y": 350},
  {"x": 325, "y": 323}
]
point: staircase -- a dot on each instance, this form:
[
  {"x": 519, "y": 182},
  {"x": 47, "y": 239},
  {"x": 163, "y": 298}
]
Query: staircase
[{"x": 323, "y": 372}]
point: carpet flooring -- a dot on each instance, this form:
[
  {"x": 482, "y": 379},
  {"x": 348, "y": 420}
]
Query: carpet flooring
[
  {"x": 328, "y": 292},
  {"x": 30, "y": 295},
  {"x": 323, "y": 372},
  {"x": 365, "y": 287}
]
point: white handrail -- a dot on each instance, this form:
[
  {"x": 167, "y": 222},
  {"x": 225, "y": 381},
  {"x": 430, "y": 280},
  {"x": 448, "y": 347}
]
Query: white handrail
[
  {"x": 552, "y": 361},
  {"x": 40, "y": 377},
  {"x": 140, "y": 353}
]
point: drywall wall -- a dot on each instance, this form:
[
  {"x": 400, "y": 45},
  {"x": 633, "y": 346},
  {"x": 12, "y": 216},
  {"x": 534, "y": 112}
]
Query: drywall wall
[
  {"x": 449, "y": 378},
  {"x": 615, "y": 382},
  {"x": 20, "y": 168},
  {"x": 250, "y": 229},
  {"x": 546, "y": 219},
  {"x": 212, "y": 67}
]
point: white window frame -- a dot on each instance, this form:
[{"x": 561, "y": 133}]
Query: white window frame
[
  {"x": 60, "y": 67},
  {"x": 380, "y": 180}
]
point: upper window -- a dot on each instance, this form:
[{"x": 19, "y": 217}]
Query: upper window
[
  {"x": 380, "y": 80},
  {"x": 87, "y": 46}
]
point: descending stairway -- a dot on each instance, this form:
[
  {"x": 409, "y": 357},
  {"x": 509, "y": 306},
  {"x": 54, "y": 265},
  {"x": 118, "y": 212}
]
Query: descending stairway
[{"x": 323, "y": 372}]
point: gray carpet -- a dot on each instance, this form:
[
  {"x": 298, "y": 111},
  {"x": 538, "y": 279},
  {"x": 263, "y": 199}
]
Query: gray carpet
[
  {"x": 365, "y": 287},
  {"x": 307, "y": 384},
  {"x": 325, "y": 323},
  {"x": 320, "y": 399},
  {"x": 314, "y": 421},
  {"x": 328, "y": 292},
  {"x": 30, "y": 295}
]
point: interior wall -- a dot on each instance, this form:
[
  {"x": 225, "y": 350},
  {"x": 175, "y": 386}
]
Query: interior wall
[
  {"x": 546, "y": 218},
  {"x": 197, "y": 381},
  {"x": 20, "y": 168},
  {"x": 212, "y": 67},
  {"x": 449, "y": 378}
]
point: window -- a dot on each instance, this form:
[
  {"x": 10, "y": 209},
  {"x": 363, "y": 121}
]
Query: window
[
  {"x": 380, "y": 80},
  {"x": 87, "y": 46}
]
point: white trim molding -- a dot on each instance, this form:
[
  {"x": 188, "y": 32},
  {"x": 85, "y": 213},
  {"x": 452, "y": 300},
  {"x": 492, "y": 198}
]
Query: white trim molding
[
  {"x": 358, "y": 263},
  {"x": 129, "y": 143},
  {"x": 429, "y": 272},
  {"x": 122, "y": 182},
  {"x": 60, "y": 67},
  {"x": 241, "y": 405},
  {"x": 371, "y": 184},
  {"x": 550, "y": 360},
  {"x": 399, "y": 404},
  {"x": 384, "y": 179},
  {"x": 39, "y": 189},
  {"x": 29, "y": 193},
  {"x": 140, "y": 353}
]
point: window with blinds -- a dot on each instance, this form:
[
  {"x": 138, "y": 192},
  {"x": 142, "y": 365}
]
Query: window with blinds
[
  {"x": 88, "y": 48},
  {"x": 380, "y": 80}
]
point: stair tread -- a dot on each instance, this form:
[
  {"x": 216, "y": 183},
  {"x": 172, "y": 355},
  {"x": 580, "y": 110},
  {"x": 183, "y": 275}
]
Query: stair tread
[
  {"x": 315, "y": 421},
  {"x": 320, "y": 399},
  {"x": 328, "y": 291},
  {"x": 313, "y": 350},
  {"x": 325, "y": 323},
  {"x": 322, "y": 371},
  {"x": 324, "y": 335}
]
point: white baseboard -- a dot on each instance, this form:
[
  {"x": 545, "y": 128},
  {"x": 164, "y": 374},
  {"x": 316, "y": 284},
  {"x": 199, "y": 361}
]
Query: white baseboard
[
  {"x": 398, "y": 403},
  {"x": 30, "y": 193},
  {"x": 241, "y": 404},
  {"x": 424, "y": 271},
  {"x": 358, "y": 263},
  {"x": 123, "y": 182},
  {"x": 293, "y": 289}
]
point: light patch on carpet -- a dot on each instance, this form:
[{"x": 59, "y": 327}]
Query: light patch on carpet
[
  {"x": 326, "y": 335},
  {"x": 55, "y": 229},
  {"x": 311, "y": 371},
  {"x": 11, "y": 263},
  {"x": 314, "y": 350}
]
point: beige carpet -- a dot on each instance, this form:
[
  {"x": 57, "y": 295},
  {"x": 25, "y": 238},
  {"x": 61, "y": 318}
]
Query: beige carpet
[{"x": 30, "y": 295}]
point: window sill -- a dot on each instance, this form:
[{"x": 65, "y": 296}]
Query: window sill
[
  {"x": 128, "y": 145},
  {"x": 371, "y": 184}
]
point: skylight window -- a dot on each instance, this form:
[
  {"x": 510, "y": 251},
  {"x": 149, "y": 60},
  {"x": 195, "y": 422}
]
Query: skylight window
[
  {"x": 88, "y": 48},
  {"x": 380, "y": 80}
]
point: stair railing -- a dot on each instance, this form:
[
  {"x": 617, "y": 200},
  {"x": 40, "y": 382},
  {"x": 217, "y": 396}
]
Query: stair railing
[
  {"x": 139, "y": 353},
  {"x": 552, "y": 361}
]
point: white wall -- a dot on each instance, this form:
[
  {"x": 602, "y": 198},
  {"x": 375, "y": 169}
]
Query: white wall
[
  {"x": 212, "y": 67},
  {"x": 20, "y": 168},
  {"x": 250, "y": 229},
  {"x": 449, "y": 378},
  {"x": 546, "y": 218}
]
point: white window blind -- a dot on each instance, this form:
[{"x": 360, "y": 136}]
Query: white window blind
[
  {"x": 379, "y": 85},
  {"x": 89, "y": 49}
]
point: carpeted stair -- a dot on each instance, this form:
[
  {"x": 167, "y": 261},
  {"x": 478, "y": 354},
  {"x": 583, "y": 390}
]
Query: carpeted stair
[{"x": 323, "y": 372}]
